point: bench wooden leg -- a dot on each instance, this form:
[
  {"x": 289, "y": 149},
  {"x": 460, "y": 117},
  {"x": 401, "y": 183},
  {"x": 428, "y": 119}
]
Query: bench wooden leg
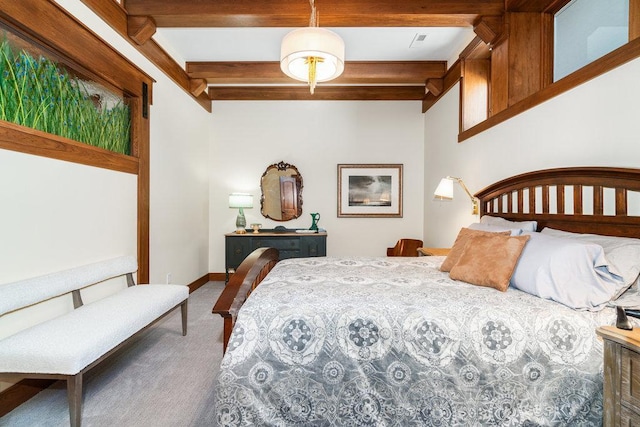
[
  {"x": 183, "y": 310},
  {"x": 74, "y": 396}
]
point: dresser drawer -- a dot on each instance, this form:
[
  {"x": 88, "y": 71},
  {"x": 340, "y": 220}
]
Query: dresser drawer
[
  {"x": 236, "y": 251},
  {"x": 289, "y": 254},
  {"x": 630, "y": 379},
  {"x": 290, "y": 245},
  {"x": 281, "y": 244}
]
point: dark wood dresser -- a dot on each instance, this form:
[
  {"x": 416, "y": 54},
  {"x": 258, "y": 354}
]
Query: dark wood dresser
[
  {"x": 289, "y": 243},
  {"x": 621, "y": 376}
]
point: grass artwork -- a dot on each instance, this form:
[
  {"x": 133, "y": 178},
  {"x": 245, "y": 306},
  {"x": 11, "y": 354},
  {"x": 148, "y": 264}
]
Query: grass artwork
[{"x": 36, "y": 93}]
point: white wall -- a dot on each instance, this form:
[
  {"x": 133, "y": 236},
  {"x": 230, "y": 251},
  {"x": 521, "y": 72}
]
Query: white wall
[
  {"x": 58, "y": 215},
  {"x": 180, "y": 133},
  {"x": 595, "y": 124},
  {"x": 179, "y": 218},
  {"x": 55, "y": 215},
  {"x": 315, "y": 136}
]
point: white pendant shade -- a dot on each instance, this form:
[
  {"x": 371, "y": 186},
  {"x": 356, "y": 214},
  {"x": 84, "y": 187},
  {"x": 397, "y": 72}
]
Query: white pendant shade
[{"x": 312, "y": 42}]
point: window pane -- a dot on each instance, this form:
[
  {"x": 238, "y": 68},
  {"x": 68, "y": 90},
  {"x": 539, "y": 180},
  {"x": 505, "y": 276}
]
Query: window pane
[
  {"x": 41, "y": 93},
  {"x": 585, "y": 30}
]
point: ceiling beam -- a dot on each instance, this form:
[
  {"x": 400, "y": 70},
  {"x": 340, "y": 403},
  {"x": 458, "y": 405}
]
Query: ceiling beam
[
  {"x": 117, "y": 18},
  {"x": 355, "y": 72},
  {"x": 451, "y": 78},
  {"x": 140, "y": 28},
  {"x": 542, "y": 6},
  {"x": 363, "y": 80},
  {"x": 322, "y": 93},
  {"x": 332, "y": 13}
]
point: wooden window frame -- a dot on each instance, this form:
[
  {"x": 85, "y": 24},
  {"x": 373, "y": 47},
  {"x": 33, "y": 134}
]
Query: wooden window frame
[
  {"x": 478, "y": 115},
  {"x": 68, "y": 41}
]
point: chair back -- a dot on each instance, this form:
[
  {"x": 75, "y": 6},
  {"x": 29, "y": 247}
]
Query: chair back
[{"x": 405, "y": 247}]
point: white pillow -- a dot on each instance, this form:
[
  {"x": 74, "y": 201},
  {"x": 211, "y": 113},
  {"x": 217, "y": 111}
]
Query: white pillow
[
  {"x": 622, "y": 252},
  {"x": 628, "y": 299},
  {"x": 494, "y": 228},
  {"x": 570, "y": 272},
  {"x": 501, "y": 222}
]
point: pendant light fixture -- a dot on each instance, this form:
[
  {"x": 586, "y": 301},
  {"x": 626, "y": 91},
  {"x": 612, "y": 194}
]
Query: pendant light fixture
[{"x": 312, "y": 54}]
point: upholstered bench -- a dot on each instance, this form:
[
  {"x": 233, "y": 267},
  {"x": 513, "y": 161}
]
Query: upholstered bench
[{"x": 67, "y": 346}]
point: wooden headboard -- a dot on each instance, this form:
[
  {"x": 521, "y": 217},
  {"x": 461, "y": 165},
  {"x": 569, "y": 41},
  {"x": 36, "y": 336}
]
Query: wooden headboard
[{"x": 578, "y": 199}]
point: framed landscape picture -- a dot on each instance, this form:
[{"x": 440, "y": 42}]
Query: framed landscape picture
[{"x": 370, "y": 190}]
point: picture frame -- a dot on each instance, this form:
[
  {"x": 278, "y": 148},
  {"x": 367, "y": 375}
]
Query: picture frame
[{"x": 370, "y": 190}]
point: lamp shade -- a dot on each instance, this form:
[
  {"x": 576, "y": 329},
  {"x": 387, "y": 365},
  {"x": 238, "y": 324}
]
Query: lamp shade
[
  {"x": 444, "y": 191},
  {"x": 240, "y": 200},
  {"x": 312, "y": 42}
]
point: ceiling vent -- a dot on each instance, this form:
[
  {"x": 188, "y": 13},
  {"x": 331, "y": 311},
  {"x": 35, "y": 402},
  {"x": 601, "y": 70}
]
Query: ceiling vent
[{"x": 418, "y": 40}]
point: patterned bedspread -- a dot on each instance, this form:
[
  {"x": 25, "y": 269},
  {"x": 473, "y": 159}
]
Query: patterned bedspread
[{"x": 395, "y": 342}]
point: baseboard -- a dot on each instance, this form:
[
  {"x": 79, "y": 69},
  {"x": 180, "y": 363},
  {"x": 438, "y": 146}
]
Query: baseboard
[
  {"x": 217, "y": 277},
  {"x": 20, "y": 392},
  {"x": 198, "y": 282},
  {"x": 210, "y": 277}
]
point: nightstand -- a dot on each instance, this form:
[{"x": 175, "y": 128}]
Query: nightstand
[
  {"x": 621, "y": 376},
  {"x": 434, "y": 251}
]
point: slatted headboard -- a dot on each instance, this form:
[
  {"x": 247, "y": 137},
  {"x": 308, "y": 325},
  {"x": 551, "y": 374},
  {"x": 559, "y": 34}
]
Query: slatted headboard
[{"x": 597, "y": 200}]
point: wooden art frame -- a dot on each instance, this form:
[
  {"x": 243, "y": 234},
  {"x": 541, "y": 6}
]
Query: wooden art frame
[{"x": 370, "y": 190}]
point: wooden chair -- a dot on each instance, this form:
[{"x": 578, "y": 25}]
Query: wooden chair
[{"x": 405, "y": 247}]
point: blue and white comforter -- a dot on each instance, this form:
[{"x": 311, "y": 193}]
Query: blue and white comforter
[{"x": 396, "y": 342}]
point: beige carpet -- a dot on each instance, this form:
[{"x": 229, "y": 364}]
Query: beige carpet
[{"x": 161, "y": 379}]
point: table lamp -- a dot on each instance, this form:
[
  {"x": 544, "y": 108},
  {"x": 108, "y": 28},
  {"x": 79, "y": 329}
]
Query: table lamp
[{"x": 240, "y": 201}]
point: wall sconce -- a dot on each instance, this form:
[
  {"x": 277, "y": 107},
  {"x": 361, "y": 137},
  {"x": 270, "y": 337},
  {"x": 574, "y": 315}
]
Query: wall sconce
[
  {"x": 240, "y": 201},
  {"x": 444, "y": 191}
]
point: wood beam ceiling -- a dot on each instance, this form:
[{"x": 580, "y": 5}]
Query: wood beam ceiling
[
  {"x": 118, "y": 19},
  {"x": 393, "y": 80},
  {"x": 366, "y": 80},
  {"x": 355, "y": 72},
  {"x": 322, "y": 93},
  {"x": 332, "y": 13}
]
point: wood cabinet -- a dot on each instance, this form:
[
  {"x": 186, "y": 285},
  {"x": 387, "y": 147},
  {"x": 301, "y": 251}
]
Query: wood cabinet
[
  {"x": 290, "y": 245},
  {"x": 621, "y": 376}
]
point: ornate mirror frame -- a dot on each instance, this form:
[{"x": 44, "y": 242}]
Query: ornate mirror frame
[{"x": 281, "y": 187}]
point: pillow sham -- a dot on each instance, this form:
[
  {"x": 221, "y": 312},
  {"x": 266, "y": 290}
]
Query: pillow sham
[
  {"x": 501, "y": 222},
  {"x": 494, "y": 228},
  {"x": 570, "y": 272},
  {"x": 458, "y": 246},
  {"x": 489, "y": 260},
  {"x": 622, "y": 252}
]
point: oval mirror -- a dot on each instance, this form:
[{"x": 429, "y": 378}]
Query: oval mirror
[{"x": 281, "y": 186}]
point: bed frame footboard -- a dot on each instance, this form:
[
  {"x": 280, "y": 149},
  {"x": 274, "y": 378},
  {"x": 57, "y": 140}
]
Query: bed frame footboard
[{"x": 247, "y": 277}]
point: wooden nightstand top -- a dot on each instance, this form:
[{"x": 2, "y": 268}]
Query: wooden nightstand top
[
  {"x": 434, "y": 251},
  {"x": 629, "y": 339}
]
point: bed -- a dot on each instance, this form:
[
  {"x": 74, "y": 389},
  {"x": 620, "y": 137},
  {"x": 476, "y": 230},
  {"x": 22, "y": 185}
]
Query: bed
[{"x": 395, "y": 341}]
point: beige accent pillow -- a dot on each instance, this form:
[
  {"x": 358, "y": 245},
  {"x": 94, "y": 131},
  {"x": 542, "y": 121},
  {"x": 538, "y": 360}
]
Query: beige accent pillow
[
  {"x": 489, "y": 260},
  {"x": 458, "y": 246}
]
